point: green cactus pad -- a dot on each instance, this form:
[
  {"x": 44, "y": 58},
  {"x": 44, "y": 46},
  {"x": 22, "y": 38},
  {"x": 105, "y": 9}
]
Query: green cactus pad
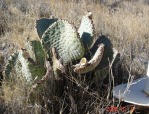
[
  {"x": 64, "y": 38},
  {"x": 86, "y": 31},
  {"x": 37, "y": 58},
  {"x": 36, "y": 52},
  {"x": 43, "y": 24},
  {"x": 10, "y": 65},
  {"x": 29, "y": 67},
  {"x": 16, "y": 65}
]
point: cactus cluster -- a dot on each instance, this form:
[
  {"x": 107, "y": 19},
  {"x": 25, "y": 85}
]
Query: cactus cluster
[
  {"x": 70, "y": 45},
  {"x": 27, "y": 62}
]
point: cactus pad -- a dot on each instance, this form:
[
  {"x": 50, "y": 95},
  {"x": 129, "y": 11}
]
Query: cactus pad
[
  {"x": 22, "y": 62},
  {"x": 86, "y": 31},
  {"x": 63, "y": 36},
  {"x": 10, "y": 64},
  {"x": 36, "y": 52}
]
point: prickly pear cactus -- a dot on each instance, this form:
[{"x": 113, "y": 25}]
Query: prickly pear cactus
[
  {"x": 10, "y": 64},
  {"x": 69, "y": 46},
  {"x": 63, "y": 36},
  {"x": 86, "y": 31},
  {"x": 36, "y": 52},
  {"x": 28, "y": 62}
]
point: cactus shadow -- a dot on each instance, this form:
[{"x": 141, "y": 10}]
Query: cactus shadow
[
  {"x": 97, "y": 78},
  {"x": 86, "y": 40},
  {"x": 108, "y": 51},
  {"x": 43, "y": 24}
]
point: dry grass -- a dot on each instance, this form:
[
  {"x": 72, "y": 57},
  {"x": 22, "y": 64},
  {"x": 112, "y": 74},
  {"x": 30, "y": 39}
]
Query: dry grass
[{"x": 126, "y": 23}]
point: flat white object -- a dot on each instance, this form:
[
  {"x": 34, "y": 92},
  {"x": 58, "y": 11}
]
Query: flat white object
[{"x": 136, "y": 92}]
